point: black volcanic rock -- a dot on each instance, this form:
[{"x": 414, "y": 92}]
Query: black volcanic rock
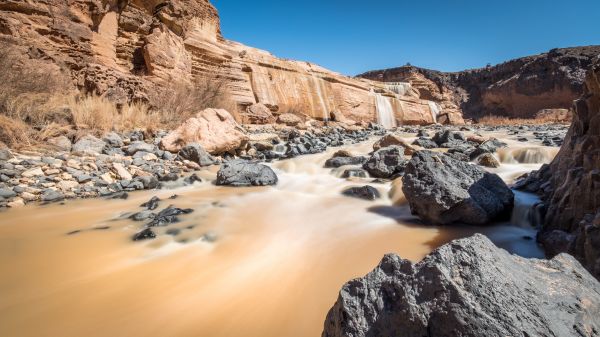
[
  {"x": 469, "y": 288},
  {"x": 443, "y": 190}
]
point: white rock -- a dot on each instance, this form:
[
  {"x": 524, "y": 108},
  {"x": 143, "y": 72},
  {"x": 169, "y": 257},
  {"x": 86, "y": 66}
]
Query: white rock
[
  {"x": 17, "y": 202},
  {"x": 121, "y": 171},
  {"x": 67, "y": 185},
  {"x": 34, "y": 172}
]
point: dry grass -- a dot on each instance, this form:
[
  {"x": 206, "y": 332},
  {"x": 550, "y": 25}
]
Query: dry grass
[
  {"x": 180, "y": 101},
  {"x": 15, "y": 133},
  {"x": 499, "y": 120}
]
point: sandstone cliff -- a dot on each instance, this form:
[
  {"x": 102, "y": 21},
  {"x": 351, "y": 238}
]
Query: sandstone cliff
[
  {"x": 122, "y": 48},
  {"x": 519, "y": 88}
]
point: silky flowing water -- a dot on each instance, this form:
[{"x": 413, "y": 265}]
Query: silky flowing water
[{"x": 248, "y": 262}]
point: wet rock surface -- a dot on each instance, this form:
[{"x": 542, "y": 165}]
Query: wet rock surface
[
  {"x": 386, "y": 163},
  {"x": 469, "y": 287},
  {"x": 245, "y": 173},
  {"x": 363, "y": 192},
  {"x": 443, "y": 190}
]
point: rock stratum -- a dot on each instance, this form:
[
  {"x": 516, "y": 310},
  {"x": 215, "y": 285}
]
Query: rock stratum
[
  {"x": 570, "y": 185},
  {"x": 122, "y": 49},
  {"x": 469, "y": 287},
  {"x": 520, "y": 88}
]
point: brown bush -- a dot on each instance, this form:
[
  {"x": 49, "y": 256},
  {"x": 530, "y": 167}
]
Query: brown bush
[
  {"x": 181, "y": 100},
  {"x": 501, "y": 120},
  {"x": 15, "y": 133}
]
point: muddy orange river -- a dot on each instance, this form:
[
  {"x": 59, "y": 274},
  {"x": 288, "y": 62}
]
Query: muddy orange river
[{"x": 247, "y": 262}]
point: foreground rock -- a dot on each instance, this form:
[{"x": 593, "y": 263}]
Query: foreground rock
[
  {"x": 214, "y": 129},
  {"x": 442, "y": 190},
  {"x": 469, "y": 287},
  {"x": 245, "y": 173}
]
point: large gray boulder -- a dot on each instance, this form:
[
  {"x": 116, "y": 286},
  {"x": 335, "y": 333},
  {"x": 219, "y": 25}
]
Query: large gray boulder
[
  {"x": 442, "y": 190},
  {"x": 245, "y": 173},
  {"x": 469, "y": 288},
  {"x": 386, "y": 163}
]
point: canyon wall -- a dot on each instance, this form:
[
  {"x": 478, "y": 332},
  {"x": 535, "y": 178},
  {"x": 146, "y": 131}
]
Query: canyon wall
[
  {"x": 121, "y": 49},
  {"x": 571, "y": 184},
  {"x": 518, "y": 88}
]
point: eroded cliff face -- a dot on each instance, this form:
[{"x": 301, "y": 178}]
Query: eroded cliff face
[
  {"x": 572, "y": 221},
  {"x": 519, "y": 88},
  {"x": 121, "y": 49}
]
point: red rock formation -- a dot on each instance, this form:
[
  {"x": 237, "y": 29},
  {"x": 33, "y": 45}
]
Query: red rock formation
[
  {"x": 121, "y": 49},
  {"x": 518, "y": 88}
]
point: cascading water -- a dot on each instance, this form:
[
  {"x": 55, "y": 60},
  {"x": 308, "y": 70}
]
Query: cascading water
[
  {"x": 399, "y": 88},
  {"x": 527, "y": 155},
  {"x": 435, "y": 110},
  {"x": 385, "y": 112},
  {"x": 319, "y": 90}
]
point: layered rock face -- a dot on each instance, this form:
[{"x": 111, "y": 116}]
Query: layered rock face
[
  {"x": 518, "y": 88},
  {"x": 469, "y": 287},
  {"x": 571, "y": 184},
  {"x": 122, "y": 49}
]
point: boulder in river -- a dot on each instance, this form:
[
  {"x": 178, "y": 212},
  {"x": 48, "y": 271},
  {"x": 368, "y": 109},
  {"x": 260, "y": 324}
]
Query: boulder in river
[
  {"x": 448, "y": 136},
  {"x": 391, "y": 139},
  {"x": 468, "y": 287},
  {"x": 195, "y": 152},
  {"x": 343, "y": 161},
  {"x": 240, "y": 172},
  {"x": 442, "y": 190},
  {"x": 364, "y": 192},
  {"x": 386, "y": 163}
]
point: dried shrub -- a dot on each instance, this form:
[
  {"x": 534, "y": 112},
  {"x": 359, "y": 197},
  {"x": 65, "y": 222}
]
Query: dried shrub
[
  {"x": 180, "y": 101},
  {"x": 15, "y": 133},
  {"x": 501, "y": 120}
]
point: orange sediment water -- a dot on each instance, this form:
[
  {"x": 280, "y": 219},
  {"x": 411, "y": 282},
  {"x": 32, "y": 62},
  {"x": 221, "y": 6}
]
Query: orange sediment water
[{"x": 248, "y": 262}]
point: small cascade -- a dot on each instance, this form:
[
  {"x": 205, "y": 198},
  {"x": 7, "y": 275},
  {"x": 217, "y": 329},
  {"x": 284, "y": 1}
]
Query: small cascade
[
  {"x": 527, "y": 155},
  {"x": 527, "y": 210},
  {"x": 319, "y": 89},
  {"x": 435, "y": 110},
  {"x": 385, "y": 111},
  {"x": 399, "y": 88}
]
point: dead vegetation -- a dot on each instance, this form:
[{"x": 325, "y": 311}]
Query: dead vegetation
[
  {"x": 500, "y": 121},
  {"x": 37, "y": 103}
]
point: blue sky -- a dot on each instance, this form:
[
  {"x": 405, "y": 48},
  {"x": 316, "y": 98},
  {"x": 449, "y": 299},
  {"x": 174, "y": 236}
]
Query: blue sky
[{"x": 353, "y": 36}]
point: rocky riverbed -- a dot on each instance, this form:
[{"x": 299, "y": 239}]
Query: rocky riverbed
[{"x": 296, "y": 227}]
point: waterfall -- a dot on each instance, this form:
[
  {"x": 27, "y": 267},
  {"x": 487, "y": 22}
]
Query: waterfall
[
  {"x": 385, "y": 112},
  {"x": 435, "y": 110},
  {"x": 399, "y": 88},
  {"x": 319, "y": 90}
]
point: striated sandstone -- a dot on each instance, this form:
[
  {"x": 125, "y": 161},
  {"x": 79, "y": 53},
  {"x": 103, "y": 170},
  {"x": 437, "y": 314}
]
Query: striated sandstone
[{"x": 124, "y": 49}]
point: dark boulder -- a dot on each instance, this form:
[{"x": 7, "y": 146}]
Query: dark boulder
[
  {"x": 364, "y": 192},
  {"x": 448, "y": 136},
  {"x": 386, "y": 163},
  {"x": 245, "y": 173},
  {"x": 145, "y": 234},
  {"x": 443, "y": 190},
  {"x": 343, "y": 161},
  {"x": 196, "y": 154},
  {"x": 468, "y": 288},
  {"x": 425, "y": 143},
  {"x": 151, "y": 204}
]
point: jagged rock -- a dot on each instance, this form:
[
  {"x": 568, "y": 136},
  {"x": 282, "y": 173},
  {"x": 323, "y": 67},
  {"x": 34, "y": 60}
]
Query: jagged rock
[
  {"x": 469, "y": 288},
  {"x": 168, "y": 216},
  {"x": 365, "y": 192},
  {"x": 386, "y": 163},
  {"x": 442, "y": 190},
  {"x": 214, "y": 129},
  {"x": 197, "y": 154},
  {"x": 51, "y": 195},
  {"x": 425, "y": 143},
  {"x": 88, "y": 145},
  {"x": 151, "y": 204},
  {"x": 244, "y": 173},
  {"x": 354, "y": 173},
  {"x": 448, "y": 136},
  {"x": 145, "y": 234}
]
